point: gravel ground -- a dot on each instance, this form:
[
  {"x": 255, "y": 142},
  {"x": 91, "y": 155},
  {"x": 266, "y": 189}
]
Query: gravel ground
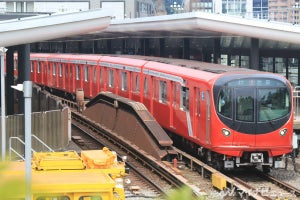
[{"x": 289, "y": 175}]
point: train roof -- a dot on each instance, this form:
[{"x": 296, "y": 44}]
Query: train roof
[
  {"x": 181, "y": 67},
  {"x": 189, "y": 68}
]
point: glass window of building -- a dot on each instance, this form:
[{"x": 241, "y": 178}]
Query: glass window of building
[
  {"x": 293, "y": 65},
  {"x": 234, "y": 7},
  {"x": 260, "y": 9}
]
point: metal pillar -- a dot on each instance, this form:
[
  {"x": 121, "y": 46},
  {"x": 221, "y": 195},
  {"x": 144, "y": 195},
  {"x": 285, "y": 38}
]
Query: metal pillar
[
  {"x": 162, "y": 47},
  {"x": 146, "y": 47},
  {"x": 95, "y": 47},
  {"x": 24, "y": 66},
  {"x": 217, "y": 50},
  {"x": 254, "y": 54},
  {"x": 27, "y": 89},
  {"x": 3, "y": 127},
  {"x": 108, "y": 44},
  {"x": 10, "y": 95},
  {"x": 186, "y": 48}
]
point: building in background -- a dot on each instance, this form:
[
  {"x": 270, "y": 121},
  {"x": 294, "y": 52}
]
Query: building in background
[
  {"x": 275, "y": 10},
  {"x": 285, "y": 11},
  {"x": 120, "y": 8}
]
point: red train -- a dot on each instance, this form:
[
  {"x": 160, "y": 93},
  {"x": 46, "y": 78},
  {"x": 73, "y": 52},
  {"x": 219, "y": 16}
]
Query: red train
[{"x": 232, "y": 117}]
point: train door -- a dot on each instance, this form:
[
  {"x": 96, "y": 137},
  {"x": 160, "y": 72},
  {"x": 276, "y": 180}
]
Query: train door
[
  {"x": 197, "y": 113},
  {"x": 244, "y": 116},
  {"x": 204, "y": 116},
  {"x": 207, "y": 116},
  {"x": 67, "y": 77},
  {"x": 49, "y": 75},
  {"x": 185, "y": 106}
]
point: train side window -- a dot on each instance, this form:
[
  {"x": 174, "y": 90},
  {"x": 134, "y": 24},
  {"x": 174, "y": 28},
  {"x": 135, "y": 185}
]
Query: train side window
[
  {"x": 54, "y": 68},
  {"x": 38, "y": 67},
  {"x": 66, "y": 71},
  {"x": 145, "y": 87},
  {"x": 60, "y": 69},
  {"x": 94, "y": 75},
  {"x": 162, "y": 91},
  {"x": 86, "y": 73},
  {"x": 31, "y": 67},
  {"x": 53, "y": 198},
  {"x": 184, "y": 98},
  {"x": 71, "y": 72},
  {"x": 101, "y": 76},
  {"x": 124, "y": 80},
  {"x": 137, "y": 83},
  {"x": 111, "y": 78},
  {"x": 15, "y": 64},
  {"x": 198, "y": 101},
  {"x": 175, "y": 92},
  {"x": 49, "y": 69},
  {"x": 77, "y": 72}
]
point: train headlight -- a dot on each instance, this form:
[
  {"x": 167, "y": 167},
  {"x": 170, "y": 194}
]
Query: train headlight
[
  {"x": 283, "y": 132},
  {"x": 226, "y": 132}
]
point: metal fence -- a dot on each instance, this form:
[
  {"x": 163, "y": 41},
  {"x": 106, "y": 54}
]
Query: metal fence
[{"x": 50, "y": 130}]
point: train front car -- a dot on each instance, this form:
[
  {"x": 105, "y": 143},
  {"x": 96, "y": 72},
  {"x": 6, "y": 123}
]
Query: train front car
[{"x": 256, "y": 120}]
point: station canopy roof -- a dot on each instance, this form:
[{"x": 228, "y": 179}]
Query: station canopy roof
[
  {"x": 51, "y": 26},
  {"x": 234, "y": 31}
]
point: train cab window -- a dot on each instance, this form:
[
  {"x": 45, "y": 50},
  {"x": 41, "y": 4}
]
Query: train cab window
[
  {"x": 162, "y": 91},
  {"x": 86, "y": 73},
  {"x": 184, "y": 98},
  {"x": 54, "y": 69},
  {"x": 124, "y": 81},
  {"x": 53, "y": 198},
  {"x": 90, "y": 198},
  {"x": 145, "y": 86},
  {"x": 245, "y": 107},
  {"x": 60, "y": 69},
  {"x": 225, "y": 103},
  {"x": 77, "y": 72},
  {"x": 111, "y": 78},
  {"x": 273, "y": 103}
]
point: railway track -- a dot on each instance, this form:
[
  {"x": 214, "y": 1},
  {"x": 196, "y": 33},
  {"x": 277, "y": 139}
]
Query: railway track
[
  {"x": 244, "y": 184},
  {"x": 156, "y": 180},
  {"x": 265, "y": 185},
  {"x": 236, "y": 187},
  {"x": 136, "y": 180}
]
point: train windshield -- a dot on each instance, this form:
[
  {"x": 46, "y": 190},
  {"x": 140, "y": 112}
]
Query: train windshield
[
  {"x": 252, "y": 100},
  {"x": 273, "y": 103}
]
